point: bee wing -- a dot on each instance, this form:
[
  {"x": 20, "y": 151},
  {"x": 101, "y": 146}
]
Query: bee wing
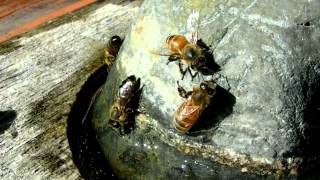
[
  {"x": 193, "y": 27},
  {"x": 217, "y": 39},
  {"x": 189, "y": 111},
  {"x": 92, "y": 100},
  {"x": 95, "y": 44},
  {"x": 153, "y": 51}
]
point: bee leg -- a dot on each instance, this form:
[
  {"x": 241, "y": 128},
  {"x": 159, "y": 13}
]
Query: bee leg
[
  {"x": 229, "y": 87},
  {"x": 173, "y": 57},
  {"x": 109, "y": 60},
  {"x": 217, "y": 76},
  {"x": 192, "y": 75},
  {"x": 183, "y": 72},
  {"x": 182, "y": 92}
]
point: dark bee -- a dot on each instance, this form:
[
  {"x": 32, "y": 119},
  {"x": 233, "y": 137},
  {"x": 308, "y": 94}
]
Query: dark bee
[
  {"x": 197, "y": 101},
  {"x": 124, "y": 105},
  {"x": 110, "y": 54},
  {"x": 112, "y": 49}
]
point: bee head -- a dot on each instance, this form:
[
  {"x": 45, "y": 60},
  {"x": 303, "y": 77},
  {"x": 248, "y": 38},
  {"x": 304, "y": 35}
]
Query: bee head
[
  {"x": 115, "y": 113},
  {"x": 135, "y": 81},
  {"x": 209, "y": 87},
  {"x": 116, "y": 40},
  {"x": 190, "y": 52}
]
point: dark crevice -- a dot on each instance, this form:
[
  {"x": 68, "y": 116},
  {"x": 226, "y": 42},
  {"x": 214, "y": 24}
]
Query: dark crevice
[
  {"x": 86, "y": 151},
  {"x": 310, "y": 146},
  {"x": 6, "y": 119}
]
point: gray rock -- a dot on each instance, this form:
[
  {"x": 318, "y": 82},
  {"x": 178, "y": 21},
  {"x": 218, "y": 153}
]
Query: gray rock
[{"x": 267, "y": 52}]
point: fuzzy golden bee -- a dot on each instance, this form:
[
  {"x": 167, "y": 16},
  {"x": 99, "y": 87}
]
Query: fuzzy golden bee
[
  {"x": 112, "y": 49},
  {"x": 188, "y": 49},
  {"x": 188, "y": 53},
  {"x": 197, "y": 101},
  {"x": 124, "y": 105}
]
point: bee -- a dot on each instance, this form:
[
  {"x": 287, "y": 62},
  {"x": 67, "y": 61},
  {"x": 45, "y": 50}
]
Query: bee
[
  {"x": 112, "y": 49},
  {"x": 124, "y": 106},
  {"x": 197, "y": 101},
  {"x": 110, "y": 55},
  {"x": 188, "y": 49}
]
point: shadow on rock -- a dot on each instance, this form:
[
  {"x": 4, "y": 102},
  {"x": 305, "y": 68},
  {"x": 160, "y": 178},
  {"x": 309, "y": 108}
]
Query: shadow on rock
[
  {"x": 308, "y": 80},
  {"x": 221, "y": 106},
  {"x": 6, "y": 119},
  {"x": 87, "y": 154},
  {"x": 211, "y": 67},
  {"x": 311, "y": 145}
]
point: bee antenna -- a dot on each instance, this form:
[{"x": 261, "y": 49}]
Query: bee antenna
[
  {"x": 178, "y": 83},
  {"x": 229, "y": 87}
]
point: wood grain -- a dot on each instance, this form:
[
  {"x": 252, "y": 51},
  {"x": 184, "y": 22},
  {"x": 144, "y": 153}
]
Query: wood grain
[
  {"x": 20, "y": 16},
  {"x": 40, "y": 75}
]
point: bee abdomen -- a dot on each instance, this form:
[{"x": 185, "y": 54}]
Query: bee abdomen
[
  {"x": 176, "y": 42},
  {"x": 113, "y": 50},
  {"x": 184, "y": 125}
]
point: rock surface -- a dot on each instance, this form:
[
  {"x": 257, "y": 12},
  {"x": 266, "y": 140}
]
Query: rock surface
[
  {"x": 268, "y": 53},
  {"x": 41, "y": 73}
]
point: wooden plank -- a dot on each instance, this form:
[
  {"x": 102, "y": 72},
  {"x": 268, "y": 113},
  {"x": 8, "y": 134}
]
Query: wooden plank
[
  {"x": 40, "y": 75},
  {"x": 20, "y": 16}
]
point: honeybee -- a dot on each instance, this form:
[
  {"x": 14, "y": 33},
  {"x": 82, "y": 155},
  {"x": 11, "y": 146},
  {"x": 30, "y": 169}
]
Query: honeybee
[
  {"x": 124, "y": 106},
  {"x": 110, "y": 54},
  {"x": 197, "y": 101},
  {"x": 112, "y": 49},
  {"x": 188, "y": 49}
]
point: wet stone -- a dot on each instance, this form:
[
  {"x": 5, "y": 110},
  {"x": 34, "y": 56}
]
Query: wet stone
[{"x": 267, "y": 52}]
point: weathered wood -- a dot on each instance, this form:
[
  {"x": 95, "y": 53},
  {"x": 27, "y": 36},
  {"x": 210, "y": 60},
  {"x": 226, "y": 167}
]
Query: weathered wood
[
  {"x": 19, "y": 16},
  {"x": 40, "y": 75}
]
